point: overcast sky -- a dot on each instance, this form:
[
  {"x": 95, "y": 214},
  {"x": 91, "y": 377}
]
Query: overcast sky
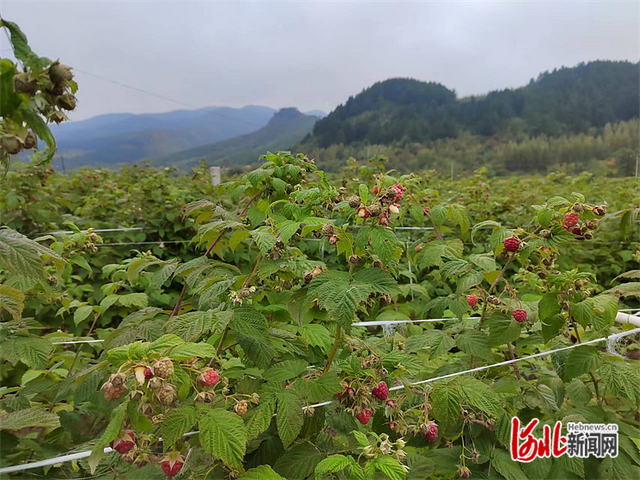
[{"x": 311, "y": 55}]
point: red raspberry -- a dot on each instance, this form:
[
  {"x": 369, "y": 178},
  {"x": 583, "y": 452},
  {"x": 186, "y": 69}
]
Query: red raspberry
[
  {"x": 364, "y": 212},
  {"x": 576, "y": 231},
  {"x": 399, "y": 190},
  {"x": 571, "y": 219},
  {"x": 520, "y": 315},
  {"x": 431, "y": 431},
  {"x": 124, "y": 442},
  {"x": 209, "y": 377},
  {"x": 472, "y": 300},
  {"x": 380, "y": 391},
  {"x": 511, "y": 244},
  {"x": 171, "y": 470},
  {"x": 364, "y": 417},
  {"x": 148, "y": 373},
  {"x": 375, "y": 190}
]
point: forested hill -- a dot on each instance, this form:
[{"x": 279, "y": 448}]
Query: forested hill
[{"x": 564, "y": 101}]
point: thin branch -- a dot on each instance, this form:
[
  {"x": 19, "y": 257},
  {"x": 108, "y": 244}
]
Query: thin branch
[{"x": 334, "y": 349}]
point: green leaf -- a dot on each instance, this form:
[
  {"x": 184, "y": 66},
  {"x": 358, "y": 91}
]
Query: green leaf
[
  {"x": 249, "y": 322},
  {"x": 509, "y": 469},
  {"x": 223, "y": 435},
  {"x": 40, "y": 128},
  {"x": 581, "y": 360},
  {"x": 332, "y": 464},
  {"x": 259, "y": 418},
  {"x": 545, "y": 215},
  {"x": 189, "y": 350},
  {"x": 116, "y": 421},
  {"x": 21, "y": 255},
  {"x": 363, "y": 191},
  {"x": 299, "y": 461},
  {"x": 265, "y": 240},
  {"x": 31, "y": 351},
  {"x": 621, "y": 380},
  {"x": 317, "y": 336},
  {"x": 262, "y": 472},
  {"x": 82, "y": 313},
  {"x": 389, "y": 466},
  {"x": 176, "y": 423},
  {"x": 474, "y": 343},
  {"x": 288, "y": 228},
  {"x": 289, "y": 417},
  {"x": 619, "y": 468},
  {"x": 285, "y": 370},
  {"x": 191, "y": 326},
  {"x": 139, "y": 300},
  {"x": 445, "y": 404},
  {"x": 481, "y": 396},
  {"x": 30, "y": 417},
  {"x": 503, "y": 329},
  {"x": 385, "y": 244},
  {"x": 11, "y": 300},
  {"x": 548, "y": 305}
]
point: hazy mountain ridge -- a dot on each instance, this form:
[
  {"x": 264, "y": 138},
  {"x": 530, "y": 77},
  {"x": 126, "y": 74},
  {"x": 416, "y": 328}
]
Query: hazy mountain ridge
[
  {"x": 287, "y": 127},
  {"x": 108, "y": 140}
]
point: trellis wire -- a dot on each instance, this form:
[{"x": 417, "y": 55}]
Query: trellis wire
[
  {"x": 87, "y": 453},
  {"x": 373, "y": 323}
]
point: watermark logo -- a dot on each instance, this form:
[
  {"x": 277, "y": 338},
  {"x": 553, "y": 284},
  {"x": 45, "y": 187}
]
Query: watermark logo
[{"x": 582, "y": 440}]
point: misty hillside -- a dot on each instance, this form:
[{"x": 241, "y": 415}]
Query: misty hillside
[
  {"x": 108, "y": 140},
  {"x": 285, "y": 129},
  {"x": 565, "y": 101}
]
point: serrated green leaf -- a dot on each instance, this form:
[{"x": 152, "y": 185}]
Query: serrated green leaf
[
  {"x": 289, "y": 416},
  {"x": 176, "y": 423},
  {"x": 223, "y": 435}
]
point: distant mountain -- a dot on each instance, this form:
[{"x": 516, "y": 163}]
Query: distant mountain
[
  {"x": 108, "y": 140},
  {"x": 316, "y": 113},
  {"x": 564, "y": 101},
  {"x": 285, "y": 129}
]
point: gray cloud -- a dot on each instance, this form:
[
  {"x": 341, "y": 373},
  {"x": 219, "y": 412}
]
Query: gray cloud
[{"x": 312, "y": 54}]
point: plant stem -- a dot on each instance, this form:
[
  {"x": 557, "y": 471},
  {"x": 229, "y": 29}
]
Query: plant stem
[
  {"x": 176, "y": 309},
  {"x": 246, "y": 207},
  {"x": 334, "y": 349},
  {"x": 93, "y": 325},
  {"x": 593, "y": 378},
  {"x": 515, "y": 365},
  {"x": 215, "y": 242},
  {"x": 491, "y": 290}
]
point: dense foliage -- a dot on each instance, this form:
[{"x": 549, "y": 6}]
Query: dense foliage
[
  {"x": 608, "y": 151},
  {"x": 567, "y": 100}
]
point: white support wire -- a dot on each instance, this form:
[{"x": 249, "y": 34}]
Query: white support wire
[
  {"x": 97, "y": 230},
  {"x": 373, "y": 323},
  {"x": 87, "y": 453}
]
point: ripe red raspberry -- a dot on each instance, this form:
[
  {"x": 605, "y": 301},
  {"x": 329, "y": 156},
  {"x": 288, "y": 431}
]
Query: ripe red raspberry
[
  {"x": 209, "y": 377},
  {"x": 430, "y": 431},
  {"x": 520, "y": 315},
  {"x": 124, "y": 442},
  {"x": 472, "y": 300},
  {"x": 148, "y": 373},
  {"x": 511, "y": 244},
  {"x": 399, "y": 190},
  {"x": 375, "y": 190},
  {"x": 576, "y": 231},
  {"x": 380, "y": 391},
  {"x": 171, "y": 469},
  {"x": 571, "y": 219},
  {"x": 364, "y": 417}
]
